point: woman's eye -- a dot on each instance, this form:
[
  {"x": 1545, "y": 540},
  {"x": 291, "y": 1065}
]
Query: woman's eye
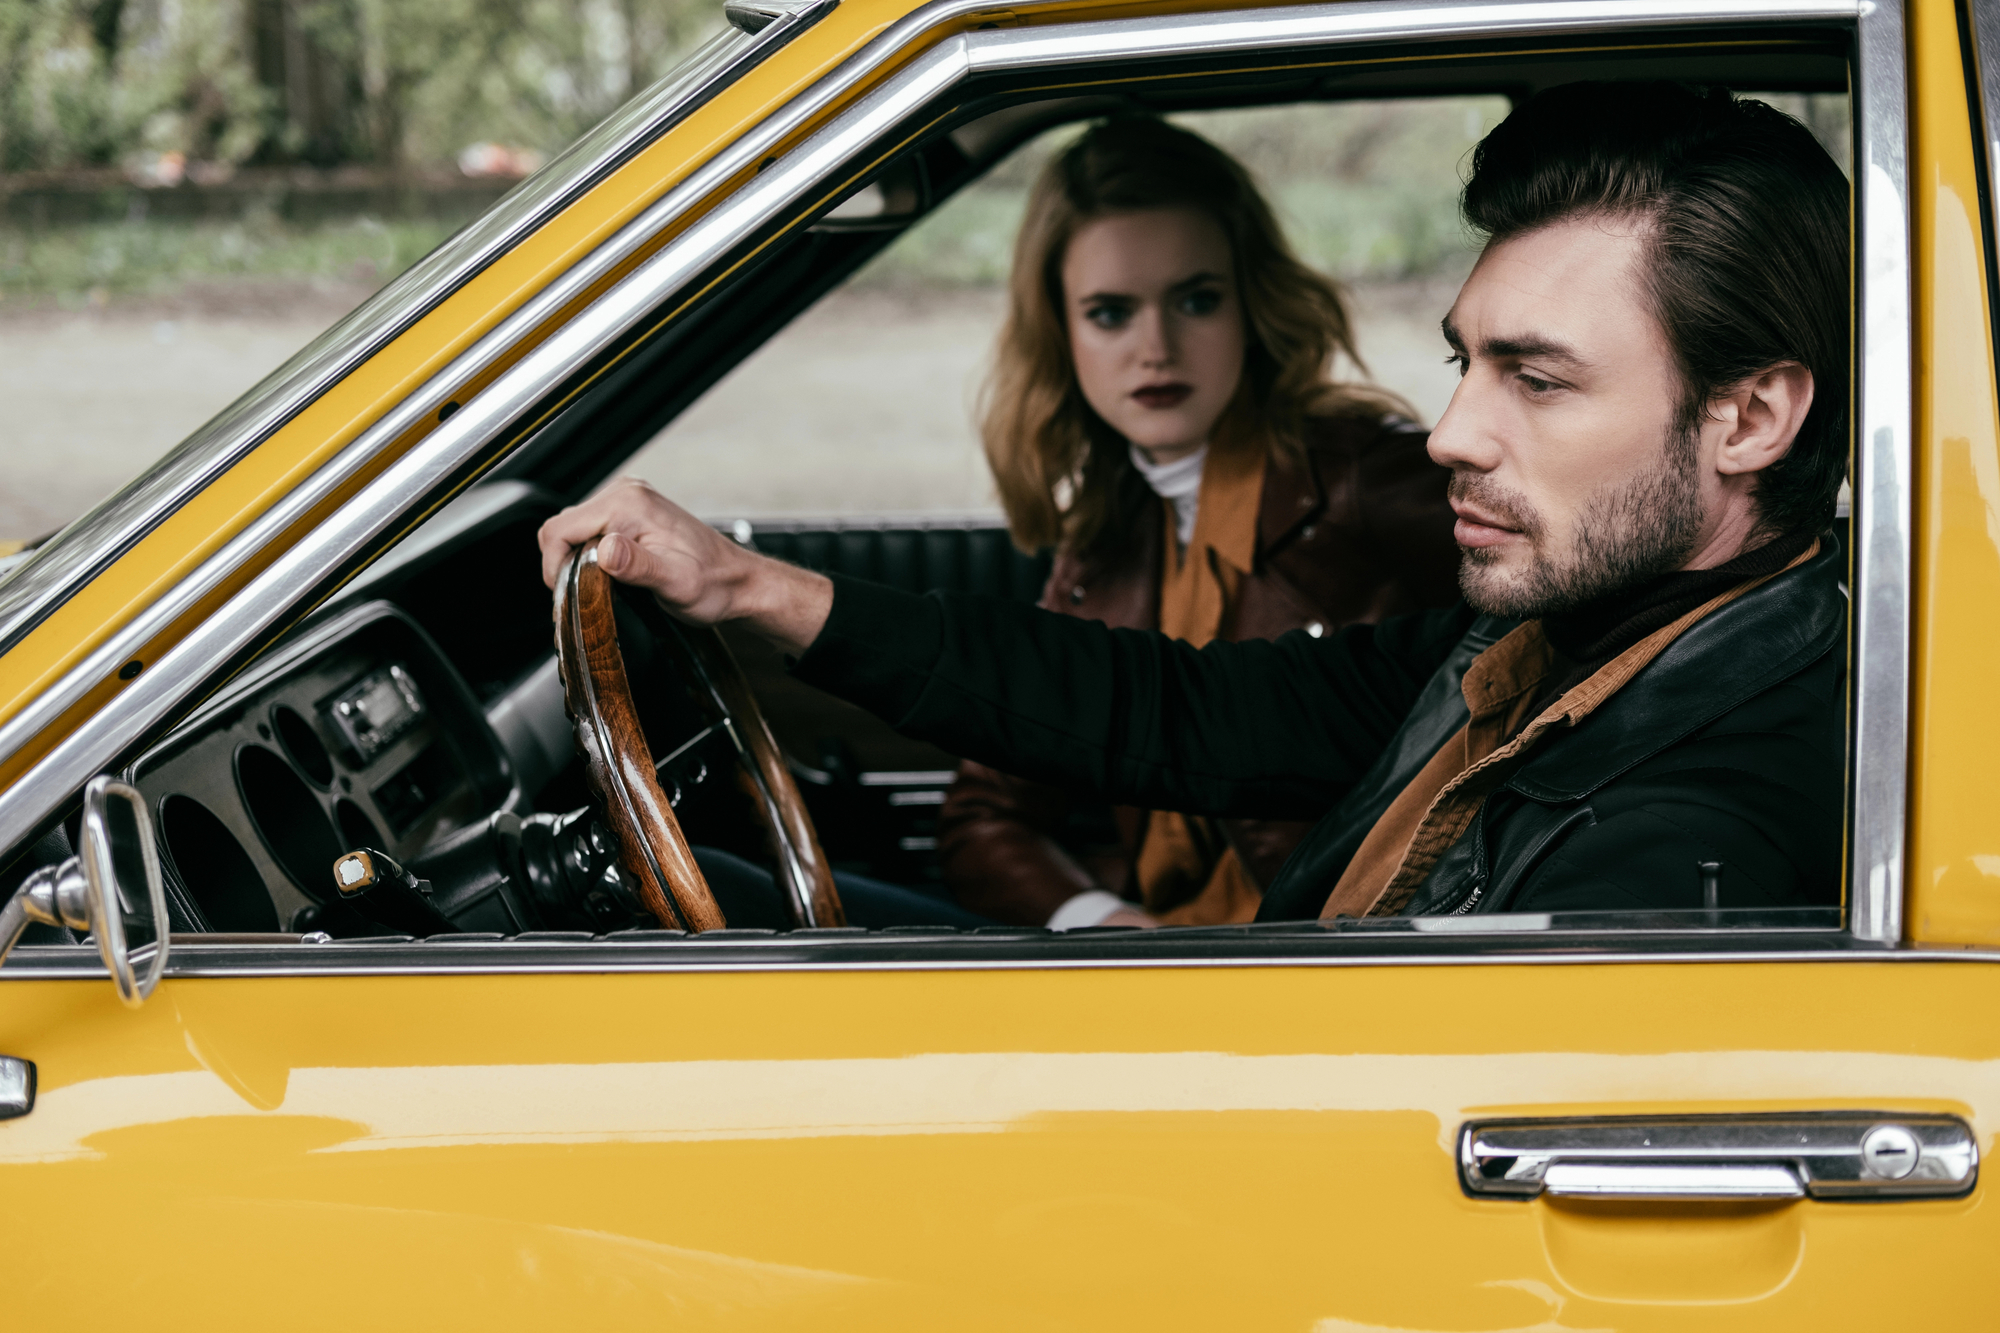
[
  {"x": 1201, "y": 303},
  {"x": 1107, "y": 316}
]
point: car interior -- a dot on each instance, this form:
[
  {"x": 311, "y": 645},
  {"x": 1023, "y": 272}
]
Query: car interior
[{"x": 420, "y": 711}]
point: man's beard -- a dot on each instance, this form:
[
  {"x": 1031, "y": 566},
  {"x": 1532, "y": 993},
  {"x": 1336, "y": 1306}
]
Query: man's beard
[{"x": 1626, "y": 535}]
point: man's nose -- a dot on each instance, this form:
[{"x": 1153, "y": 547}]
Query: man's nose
[{"x": 1464, "y": 436}]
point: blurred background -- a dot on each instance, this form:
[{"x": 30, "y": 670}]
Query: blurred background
[{"x": 190, "y": 190}]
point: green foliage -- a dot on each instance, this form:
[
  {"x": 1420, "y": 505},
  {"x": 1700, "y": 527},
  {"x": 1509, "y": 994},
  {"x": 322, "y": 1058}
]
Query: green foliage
[
  {"x": 531, "y": 72},
  {"x": 1366, "y": 190},
  {"x": 102, "y": 82},
  {"x": 77, "y": 266},
  {"x": 91, "y": 82}
]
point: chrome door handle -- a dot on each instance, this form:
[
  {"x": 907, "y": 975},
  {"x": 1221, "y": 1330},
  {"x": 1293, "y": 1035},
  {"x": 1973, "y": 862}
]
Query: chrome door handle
[
  {"x": 1839, "y": 1155},
  {"x": 1672, "y": 1180},
  {"x": 17, "y": 1087}
]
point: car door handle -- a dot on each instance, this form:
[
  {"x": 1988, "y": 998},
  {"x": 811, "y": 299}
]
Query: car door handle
[
  {"x": 1839, "y": 1155},
  {"x": 17, "y": 1087}
]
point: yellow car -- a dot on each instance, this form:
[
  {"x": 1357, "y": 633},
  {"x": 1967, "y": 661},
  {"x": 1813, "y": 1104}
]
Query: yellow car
[{"x": 318, "y": 1096}]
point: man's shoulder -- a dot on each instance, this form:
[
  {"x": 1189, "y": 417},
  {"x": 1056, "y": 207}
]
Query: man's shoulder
[{"x": 1771, "y": 637}]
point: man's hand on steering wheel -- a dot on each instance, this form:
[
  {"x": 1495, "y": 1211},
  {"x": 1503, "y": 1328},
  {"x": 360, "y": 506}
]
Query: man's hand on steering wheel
[
  {"x": 643, "y": 539},
  {"x": 697, "y": 573}
]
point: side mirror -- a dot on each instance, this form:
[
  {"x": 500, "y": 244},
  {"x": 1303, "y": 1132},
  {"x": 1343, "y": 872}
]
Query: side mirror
[{"x": 118, "y": 864}]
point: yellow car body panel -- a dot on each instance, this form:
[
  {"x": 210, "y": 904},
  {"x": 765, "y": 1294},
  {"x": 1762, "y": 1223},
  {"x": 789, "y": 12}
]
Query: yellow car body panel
[
  {"x": 1102, "y": 1149},
  {"x": 1148, "y": 1148},
  {"x": 1954, "y": 865}
]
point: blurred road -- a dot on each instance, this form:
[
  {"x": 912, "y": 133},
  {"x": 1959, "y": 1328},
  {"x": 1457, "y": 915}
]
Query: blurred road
[{"x": 862, "y": 406}]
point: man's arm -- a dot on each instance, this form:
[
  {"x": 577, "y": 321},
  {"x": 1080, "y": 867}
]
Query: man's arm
[
  {"x": 1277, "y": 729},
  {"x": 1273, "y": 729}
]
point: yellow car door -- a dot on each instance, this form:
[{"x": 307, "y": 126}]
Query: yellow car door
[
  {"x": 760, "y": 1138},
  {"x": 1496, "y": 1124}
]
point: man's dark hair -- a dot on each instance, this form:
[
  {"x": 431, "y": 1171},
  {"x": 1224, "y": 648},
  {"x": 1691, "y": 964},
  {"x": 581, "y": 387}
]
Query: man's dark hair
[{"x": 1749, "y": 244}]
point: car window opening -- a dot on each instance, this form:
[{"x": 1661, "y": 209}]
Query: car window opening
[{"x": 831, "y": 416}]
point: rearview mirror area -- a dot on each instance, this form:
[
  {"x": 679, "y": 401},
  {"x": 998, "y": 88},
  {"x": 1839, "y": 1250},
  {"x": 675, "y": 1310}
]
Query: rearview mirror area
[{"x": 897, "y": 196}]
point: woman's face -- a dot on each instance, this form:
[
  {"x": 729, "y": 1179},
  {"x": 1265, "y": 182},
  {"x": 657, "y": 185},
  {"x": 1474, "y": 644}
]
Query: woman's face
[{"x": 1155, "y": 326}]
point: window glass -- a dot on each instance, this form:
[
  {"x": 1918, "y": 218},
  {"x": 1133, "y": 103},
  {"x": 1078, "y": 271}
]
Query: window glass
[
  {"x": 866, "y": 405},
  {"x": 192, "y": 192}
]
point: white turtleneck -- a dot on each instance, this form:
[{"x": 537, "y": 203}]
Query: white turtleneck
[{"x": 1178, "y": 482}]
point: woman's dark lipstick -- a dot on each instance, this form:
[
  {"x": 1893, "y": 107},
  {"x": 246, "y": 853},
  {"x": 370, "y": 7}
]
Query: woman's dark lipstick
[{"x": 1163, "y": 395}]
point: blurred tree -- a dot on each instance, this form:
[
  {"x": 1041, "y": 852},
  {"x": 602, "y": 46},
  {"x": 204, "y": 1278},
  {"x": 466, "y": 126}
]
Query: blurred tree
[
  {"x": 17, "y": 27},
  {"x": 313, "y": 82},
  {"x": 535, "y": 73},
  {"x": 95, "y": 82}
]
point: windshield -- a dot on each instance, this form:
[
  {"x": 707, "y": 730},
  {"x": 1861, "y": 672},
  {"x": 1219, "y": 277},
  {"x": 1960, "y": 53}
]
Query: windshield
[{"x": 141, "y": 295}]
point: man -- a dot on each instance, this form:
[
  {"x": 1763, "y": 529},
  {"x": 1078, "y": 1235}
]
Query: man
[{"x": 1644, "y": 677}]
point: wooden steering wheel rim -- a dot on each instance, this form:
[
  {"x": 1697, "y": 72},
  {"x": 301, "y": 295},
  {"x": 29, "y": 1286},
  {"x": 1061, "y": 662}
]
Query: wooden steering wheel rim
[{"x": 618, "y": 763}]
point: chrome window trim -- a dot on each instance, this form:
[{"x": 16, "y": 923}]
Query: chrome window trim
[
  {"x": 753, "y": 16},
  {"x": 526, "y": 957},
  {"x": 1982, "y": 58},
  {"x": 1882, "y": 483},
  {"x": 1985, "y": 59},
  {"x": 83, "y": 548},
  {"x": 804, "y": 172}
]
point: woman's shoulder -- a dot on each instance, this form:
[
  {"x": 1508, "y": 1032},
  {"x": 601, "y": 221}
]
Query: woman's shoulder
[
  {"x": 1370, "y": 453},
  {"x": 1342, "y": 422}
]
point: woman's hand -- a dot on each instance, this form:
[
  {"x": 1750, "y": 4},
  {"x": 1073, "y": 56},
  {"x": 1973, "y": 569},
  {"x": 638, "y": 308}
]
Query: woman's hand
[{"x": 697, "y": 573}]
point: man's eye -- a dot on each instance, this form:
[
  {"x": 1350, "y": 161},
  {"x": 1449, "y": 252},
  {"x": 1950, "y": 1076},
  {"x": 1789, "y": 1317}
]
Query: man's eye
[
  {"x": 1108, "y": 316},
  {"x": 1464, "y": 363},
  {"x": 1201, "y": 302},
  {"x": 1536, "y": 385}
]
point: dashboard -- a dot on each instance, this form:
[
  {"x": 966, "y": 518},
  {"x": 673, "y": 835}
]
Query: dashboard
[
  {"x": 419, "y": 715},
  {"x": 359, "y": 734},
  {"x": 416, "y": 715}
]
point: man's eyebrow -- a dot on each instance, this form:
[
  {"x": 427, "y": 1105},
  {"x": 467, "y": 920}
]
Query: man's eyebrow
[
  {"x": 1532, "y": 346},
  {"x": 1528, "y": 346}
]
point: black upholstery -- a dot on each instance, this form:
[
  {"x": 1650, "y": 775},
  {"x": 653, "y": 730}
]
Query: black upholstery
[{"x": 957, "y": 558}]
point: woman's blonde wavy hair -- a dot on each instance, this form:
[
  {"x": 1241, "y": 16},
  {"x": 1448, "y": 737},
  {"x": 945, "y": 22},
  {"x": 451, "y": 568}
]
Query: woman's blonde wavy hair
[{"x": 1057, "y": 464}]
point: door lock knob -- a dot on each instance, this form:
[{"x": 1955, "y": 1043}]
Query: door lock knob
[{"x": 1889, "y": 1152}]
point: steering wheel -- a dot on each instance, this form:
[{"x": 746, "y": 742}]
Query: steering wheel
[{"x": 624, "y": 781}]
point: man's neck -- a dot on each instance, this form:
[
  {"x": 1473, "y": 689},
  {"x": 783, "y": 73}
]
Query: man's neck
[
  {"x": 1601, "y": 629},
  {"x": 1732, "y": 532}
]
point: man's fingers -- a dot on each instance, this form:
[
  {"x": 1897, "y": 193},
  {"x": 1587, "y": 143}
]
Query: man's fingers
[
  {"x": 629, "y": 562},
  {"x": 627, "y": 505},
  {"x": 571, "y": 528}
]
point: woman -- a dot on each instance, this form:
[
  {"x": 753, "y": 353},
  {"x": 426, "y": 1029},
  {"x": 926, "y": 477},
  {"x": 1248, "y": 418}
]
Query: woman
[{"x": 1160, "y": 412}]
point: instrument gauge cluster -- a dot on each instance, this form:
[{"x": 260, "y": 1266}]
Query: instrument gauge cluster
[{"x": 357, "y": 733}]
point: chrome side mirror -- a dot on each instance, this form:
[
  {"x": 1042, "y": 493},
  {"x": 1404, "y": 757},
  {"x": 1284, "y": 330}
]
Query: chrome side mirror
[{"x": 117, "y": 864}]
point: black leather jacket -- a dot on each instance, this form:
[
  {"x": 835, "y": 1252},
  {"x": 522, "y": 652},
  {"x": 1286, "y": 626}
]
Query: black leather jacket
[{"x": 1727, "y": 747}]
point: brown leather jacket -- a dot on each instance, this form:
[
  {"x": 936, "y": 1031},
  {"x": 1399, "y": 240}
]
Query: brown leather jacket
[{"x": 1359, "y": 533}]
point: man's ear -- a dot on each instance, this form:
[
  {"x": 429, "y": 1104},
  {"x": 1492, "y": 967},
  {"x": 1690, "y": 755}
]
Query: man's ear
[{"x": 1762, "y": 416}]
